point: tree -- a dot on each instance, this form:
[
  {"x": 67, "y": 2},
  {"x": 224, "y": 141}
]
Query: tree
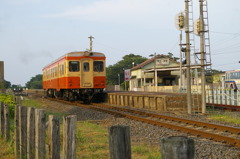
[
  {"x": 35, "y": 82},
  {"x": 213, "y": 75},
  {"x": 7, "y": 84},
  {"x": 170, "y": 55},
  {"x": 118, "y": 69}
]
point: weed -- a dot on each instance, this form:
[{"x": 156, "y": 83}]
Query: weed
[
  {"x": 8, "y": 99},
  {"x": 227, "y": 117}
]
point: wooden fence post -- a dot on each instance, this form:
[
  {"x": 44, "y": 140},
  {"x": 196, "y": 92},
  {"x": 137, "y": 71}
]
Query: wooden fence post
[
  {"x": 54, "y": 137},
  {"x": 69, "y": 137},
  {"x": 40, "y": 119},
  {"x": 2, "y": 119},
  {"x": 177, "y": 147},
  {"x": 16, "y": 131},
  {"x": 23, "y": 131},
  {"x": 119, "y": 142},
  {"x": 31, "y": 133},
  {"x": 6, "y": 122}
]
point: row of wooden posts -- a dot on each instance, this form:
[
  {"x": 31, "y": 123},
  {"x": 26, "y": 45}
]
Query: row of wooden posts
[{"x": 30, "y": 135}]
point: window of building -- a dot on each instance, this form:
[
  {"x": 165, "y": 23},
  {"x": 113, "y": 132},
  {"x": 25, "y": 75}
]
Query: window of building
[
  {"x": 86, "y": 67},
  {"x": 162, "y": 61},
  {"x": 74, "y": 66},
  {"x": 98, "y": 66}
]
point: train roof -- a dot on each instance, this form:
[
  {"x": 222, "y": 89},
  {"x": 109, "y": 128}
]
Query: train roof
[{"x": 77, "y": 54}]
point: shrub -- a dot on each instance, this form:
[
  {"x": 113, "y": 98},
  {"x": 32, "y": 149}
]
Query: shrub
[{"x": 8, "y": 99}]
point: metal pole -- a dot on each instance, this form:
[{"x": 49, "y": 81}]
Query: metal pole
[
  {"x": 125, "y": 86},
  {"x": 202, "y": 43},
  {"x": 119, "y": 79},
  {"x": 91, "y": 41},
  {"x": 180, "y": 82},
  {"x": 125, "y": 82},
  {"x": 155, "y": 72},
  {"x": 189, "y": 100}
]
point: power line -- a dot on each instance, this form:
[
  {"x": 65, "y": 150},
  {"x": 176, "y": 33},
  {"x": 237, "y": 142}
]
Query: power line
[
  {"x": 224, "y": 33},
  {"x": 234, "y": 36},
  {"x": 225, "y": 64},
  {"x": 234, "y": 46},
  {"x": 227, "y": 52}
]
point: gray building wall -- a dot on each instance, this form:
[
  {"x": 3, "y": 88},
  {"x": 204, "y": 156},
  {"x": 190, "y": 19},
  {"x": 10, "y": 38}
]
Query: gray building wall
[{"x": 2, "y": 90}]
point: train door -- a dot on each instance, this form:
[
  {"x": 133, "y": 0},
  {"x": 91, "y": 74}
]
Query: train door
[{"x": 86, "y": 73}]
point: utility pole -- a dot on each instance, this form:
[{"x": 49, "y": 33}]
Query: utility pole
[
  {"x": 189, "y": 100},
  {"x": 91, "y": 41},
  {"x": 203, "y": 56}
]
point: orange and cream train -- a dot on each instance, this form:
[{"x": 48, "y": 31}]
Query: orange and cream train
[{"x": 76, "y": 76}]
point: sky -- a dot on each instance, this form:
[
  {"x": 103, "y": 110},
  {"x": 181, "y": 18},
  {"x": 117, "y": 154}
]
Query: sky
[{"x": 34, "y": 33}]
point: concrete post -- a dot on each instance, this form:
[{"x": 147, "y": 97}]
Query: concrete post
[
  {"x": 119, "y": 142},
  {"x": 177, "y": 147},
  {"x": 188, "y": 55}
]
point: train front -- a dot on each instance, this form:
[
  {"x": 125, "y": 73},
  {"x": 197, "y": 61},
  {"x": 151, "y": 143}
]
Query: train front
[{"x": 91, "y": 67}]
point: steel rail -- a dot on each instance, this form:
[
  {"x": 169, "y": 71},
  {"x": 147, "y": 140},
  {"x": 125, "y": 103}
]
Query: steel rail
[
  {"x": 187, "y": 121},
  {"x": 232, "y": 107},
  {"x": 199, "y": 133}
]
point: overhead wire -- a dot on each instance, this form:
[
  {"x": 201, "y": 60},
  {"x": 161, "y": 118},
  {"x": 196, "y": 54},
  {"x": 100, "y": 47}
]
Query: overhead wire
[{"x": 234, "y": 36}]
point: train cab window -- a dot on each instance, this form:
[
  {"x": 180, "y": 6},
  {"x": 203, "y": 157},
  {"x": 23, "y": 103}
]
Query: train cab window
[
  {"x": 73, "y": 66},
  {"x": 98, "y": 66},
  {"x": 86, "y": 67}
]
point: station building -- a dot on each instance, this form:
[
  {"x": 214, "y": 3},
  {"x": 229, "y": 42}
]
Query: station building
[{"x": 159, "y": 72}]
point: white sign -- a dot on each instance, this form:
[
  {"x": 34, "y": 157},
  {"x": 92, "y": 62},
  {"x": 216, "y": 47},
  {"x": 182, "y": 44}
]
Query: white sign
[{"x": 127, "y": 75}]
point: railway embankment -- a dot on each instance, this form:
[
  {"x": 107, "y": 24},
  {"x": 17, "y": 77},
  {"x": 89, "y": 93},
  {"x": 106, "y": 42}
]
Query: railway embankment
[{"x": 149, "y": 134}]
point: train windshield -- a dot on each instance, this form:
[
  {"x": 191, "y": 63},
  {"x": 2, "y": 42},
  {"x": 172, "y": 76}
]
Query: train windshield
[
  {"x": 73, "y": 66},
  {"x": 86, "y": 67},
  {"x": 98, "y": 66}
]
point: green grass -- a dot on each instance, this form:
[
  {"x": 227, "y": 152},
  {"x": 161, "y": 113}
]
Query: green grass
[
  {"x": 36, "y": 104},
  {"x": 6, "y": 147},
  {"x": 31, "y": 103},
  {"x": 226, "y": 117},
  {"x": 92, "y": 142},
  {"x": 145, "y": 151}
]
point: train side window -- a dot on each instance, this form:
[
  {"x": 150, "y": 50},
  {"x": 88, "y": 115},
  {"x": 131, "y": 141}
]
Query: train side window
[
  {"x": 63, "y": 69},
  {"x": 98, "y": 66},
  {"x": 73, "y": 66},
  {"x": 86, "y": 67}
]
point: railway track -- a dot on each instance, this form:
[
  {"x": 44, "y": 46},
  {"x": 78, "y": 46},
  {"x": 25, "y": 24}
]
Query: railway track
[
  {"x": 219, "y": 133},
  {"x": 224, "y": 106}
]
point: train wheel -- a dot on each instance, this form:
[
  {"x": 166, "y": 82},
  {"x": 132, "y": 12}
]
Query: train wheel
[
  {"x": 65, "y": 96},
  {"x": 71, "y": 96}
]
